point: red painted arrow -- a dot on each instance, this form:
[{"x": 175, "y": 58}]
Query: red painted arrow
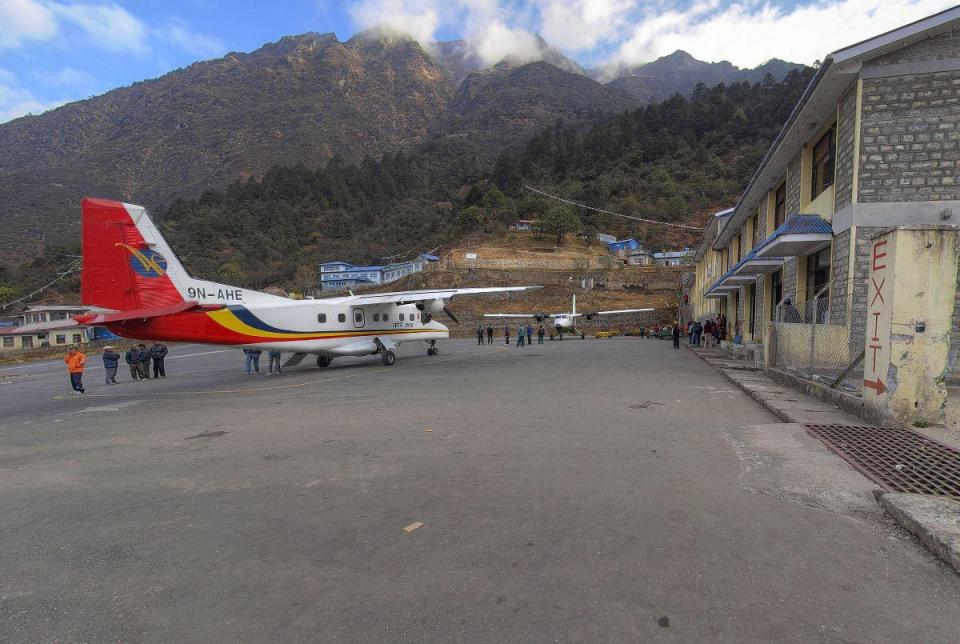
[{"x": 877, "y": 385}]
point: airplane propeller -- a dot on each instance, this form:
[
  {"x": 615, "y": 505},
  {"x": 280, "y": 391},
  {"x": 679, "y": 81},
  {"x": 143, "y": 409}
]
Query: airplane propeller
[{"x": 451, "y": 315}]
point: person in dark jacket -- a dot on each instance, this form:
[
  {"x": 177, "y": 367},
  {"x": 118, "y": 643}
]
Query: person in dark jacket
[
  {"x": 530, "y": 334},
  {"x": 540, "y": 333},
  {"x": 274, "y": 356},
  {"x": 158, "y": 352},
  {"x": 489, "y": 334},
  {"x": 110, "y": 361},
  {"x": 479, "y": 334},
  {"x": 506, "y": 333},
  {"x": 143, "y": 361},
  {"x": 676, "y": 335},
  {"x": 132, "y": 358}
]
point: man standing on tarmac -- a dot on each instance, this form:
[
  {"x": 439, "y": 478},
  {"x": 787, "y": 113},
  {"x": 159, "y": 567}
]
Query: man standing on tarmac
[
  {"x": 540, "y": 333},
  {"x": 158, "y": 352},
  {"x": 479, "y": 334},
  {"x": 676, "y": 335},
  {"x": 489, "y": 334},
  {"x": 75, "y": 362},
  {"x": 143, "y": 361},
  {"x": 110, "y": 361},
  {"x": 529, "y": 334},
  {"x": 132, "y": 358}
]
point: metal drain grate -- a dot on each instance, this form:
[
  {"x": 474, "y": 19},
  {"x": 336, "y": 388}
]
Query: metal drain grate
[{"x": 899, "y": 460}]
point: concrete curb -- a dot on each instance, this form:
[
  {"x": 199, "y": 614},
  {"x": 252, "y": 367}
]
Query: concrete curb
[
  {"x": 935, "y": 521},
  {"x": 787, "y": 404}
]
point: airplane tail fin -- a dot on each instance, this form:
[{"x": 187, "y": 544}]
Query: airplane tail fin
[{"x": 126, "y": 262}]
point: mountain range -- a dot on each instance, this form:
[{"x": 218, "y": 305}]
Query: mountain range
[{"x": 304, "y": 99}]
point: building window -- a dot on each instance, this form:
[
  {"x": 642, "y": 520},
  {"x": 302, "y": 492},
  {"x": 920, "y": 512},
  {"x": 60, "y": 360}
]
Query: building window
[
  {"x": 756, "y": 230},
  {"x": 61, "y": 338},
  {"x": 818, "y": 273},
  {"x": 780, "y": 206},
  {"x": 342, "y": 317},
  {"x": 322, "y": 318},
  {"x": 8, "y": 342},
  {"x": 823, "y": 156},
  {"x": 77, "y": 338},
  {"x": 776, "y": 292},
  {"x": 58, "y": 316}
]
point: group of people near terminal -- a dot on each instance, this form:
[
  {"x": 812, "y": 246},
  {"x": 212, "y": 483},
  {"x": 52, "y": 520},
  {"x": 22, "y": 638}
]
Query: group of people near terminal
[
  {"x": 710, "y": 332},
  {"x": 138, "y": 358},
  {"x": 524, "y": 334}
]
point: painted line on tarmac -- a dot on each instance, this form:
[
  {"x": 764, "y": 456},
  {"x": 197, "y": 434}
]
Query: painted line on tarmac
[{"x": 246, "y": 390}]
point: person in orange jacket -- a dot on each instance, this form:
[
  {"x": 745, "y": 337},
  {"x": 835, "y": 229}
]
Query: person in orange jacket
[{"x": 76, "y": 362}]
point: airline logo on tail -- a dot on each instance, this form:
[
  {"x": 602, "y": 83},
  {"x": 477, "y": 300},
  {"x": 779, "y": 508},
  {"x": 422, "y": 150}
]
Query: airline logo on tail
[{"x": 146, "y": 263}]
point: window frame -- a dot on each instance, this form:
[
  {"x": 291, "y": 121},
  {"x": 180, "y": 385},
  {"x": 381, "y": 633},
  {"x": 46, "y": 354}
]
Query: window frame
[
  {"x": 823, "y": 162},
  {"x": 322, "y": 318},
  {"x": 341, "y": 317},
  {"x": 780, "y": 205}
]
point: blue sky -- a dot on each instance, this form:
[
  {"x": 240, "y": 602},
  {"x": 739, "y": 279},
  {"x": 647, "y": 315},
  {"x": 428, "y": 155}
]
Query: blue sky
[{"x": 55, "y": 51}]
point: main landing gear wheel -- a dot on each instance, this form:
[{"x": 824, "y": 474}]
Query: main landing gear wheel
[
  {"x": 323, "y": 361},
  {"x": 389, "y": 357}
]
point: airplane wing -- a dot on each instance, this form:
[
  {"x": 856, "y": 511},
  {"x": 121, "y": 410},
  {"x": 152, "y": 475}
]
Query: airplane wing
[
  {"x": 618, "y": 311},
  {"x": 139, "y": 314},
  {"x": 511, "y": 315},
  {"x": 411, "y": 297}
]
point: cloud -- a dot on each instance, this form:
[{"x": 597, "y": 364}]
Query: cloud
[
  {"x": 582, "y": 25},
  {"x": 110, "y": 26},
  {"x": 17, "y": 101},
  {"x": 417, "y": 18},
  {"x": 178, "y": 36},
  {"x": 749, "y": 34},
  {"x": 24, "y": 20}
]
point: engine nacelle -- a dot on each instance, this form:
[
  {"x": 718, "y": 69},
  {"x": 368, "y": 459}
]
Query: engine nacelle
[{"x": 430, "y": 308}]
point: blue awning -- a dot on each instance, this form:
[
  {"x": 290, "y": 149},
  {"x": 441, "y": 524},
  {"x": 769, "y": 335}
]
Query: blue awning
[{"x": 799, "y": 235}]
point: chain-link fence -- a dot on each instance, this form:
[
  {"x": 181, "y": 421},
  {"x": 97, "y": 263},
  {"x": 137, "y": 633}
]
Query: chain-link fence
[{"x": 808, "y": 347}]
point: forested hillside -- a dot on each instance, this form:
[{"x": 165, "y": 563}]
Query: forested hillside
[{"x": 666, "y": 161}]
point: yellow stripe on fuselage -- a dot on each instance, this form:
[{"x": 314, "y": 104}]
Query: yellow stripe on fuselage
[{"x": 227, "y": 319}]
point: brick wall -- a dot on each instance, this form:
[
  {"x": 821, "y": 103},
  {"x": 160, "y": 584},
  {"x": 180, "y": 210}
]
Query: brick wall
[
  {"x": 758, "y": 313},
  {"x": 859, "y": 284},
  {"x": 793, "y": 185},
  {"x": 942, "y": 47},
  {"x": 839, "y": 276},
  {"x": 910, "y": 127},
  {"x": 846, "y": 127},
  {"x": 762, "y": 219},
  {"x": 790, "y": 279}
]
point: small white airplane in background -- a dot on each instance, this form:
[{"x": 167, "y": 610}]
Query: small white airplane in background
[
  {"x": 565, "y": 322},
  {"x": 129, "y": 269}
]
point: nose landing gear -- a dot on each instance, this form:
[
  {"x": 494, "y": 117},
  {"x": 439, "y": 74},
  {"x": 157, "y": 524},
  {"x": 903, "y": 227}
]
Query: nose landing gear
[{"x": 432, "y": 350}]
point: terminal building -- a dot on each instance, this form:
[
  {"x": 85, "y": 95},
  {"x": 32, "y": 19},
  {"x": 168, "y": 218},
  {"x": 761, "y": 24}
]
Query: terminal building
[
  {"x": 45, "y": 325},
  {"x": 343, "y": 275},
  {"x": 871, "y": 145}
]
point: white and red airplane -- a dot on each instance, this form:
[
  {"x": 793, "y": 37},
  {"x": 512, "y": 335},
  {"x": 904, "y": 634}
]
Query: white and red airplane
[
  {"x": 565, "y": 322},
  {"x": 129, "y": 268}
]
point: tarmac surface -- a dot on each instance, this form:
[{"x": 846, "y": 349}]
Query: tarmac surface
[{"x": 587, "y": 490}]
